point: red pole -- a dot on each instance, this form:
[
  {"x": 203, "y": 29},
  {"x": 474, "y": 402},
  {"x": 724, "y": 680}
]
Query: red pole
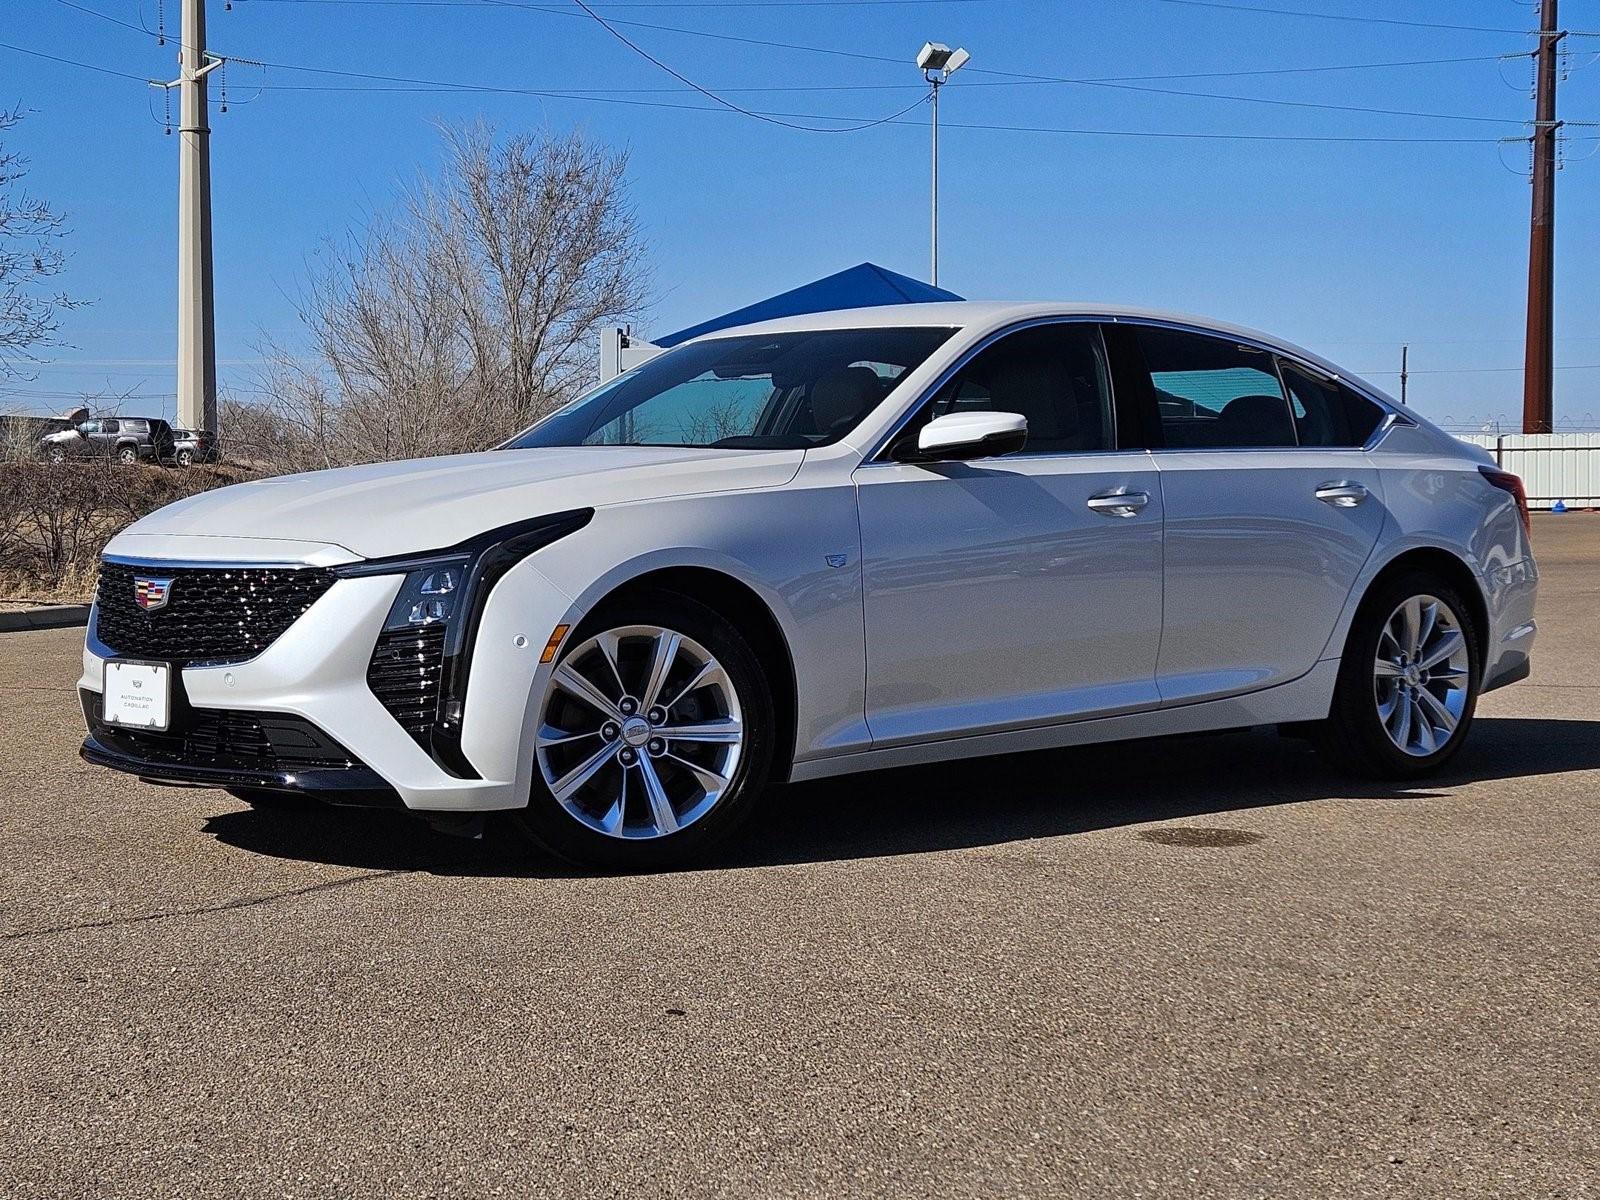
[{"x": 1538, "y": 372}]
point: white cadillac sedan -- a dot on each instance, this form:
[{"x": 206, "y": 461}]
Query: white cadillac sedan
[{"x": 821, "y": 545}]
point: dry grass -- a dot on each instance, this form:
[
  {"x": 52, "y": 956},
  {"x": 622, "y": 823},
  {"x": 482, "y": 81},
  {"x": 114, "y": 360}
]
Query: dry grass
[{"x": 55, "y": 520}]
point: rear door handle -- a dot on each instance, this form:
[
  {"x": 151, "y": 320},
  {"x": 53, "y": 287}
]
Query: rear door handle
[
  {"x": 1341, "y": 493},
  {"x": 1119, "y": 504}
]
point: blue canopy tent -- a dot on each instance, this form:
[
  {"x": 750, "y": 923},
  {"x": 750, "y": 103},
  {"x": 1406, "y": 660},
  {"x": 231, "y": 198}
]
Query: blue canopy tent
[{"x": 864, "y": 286}]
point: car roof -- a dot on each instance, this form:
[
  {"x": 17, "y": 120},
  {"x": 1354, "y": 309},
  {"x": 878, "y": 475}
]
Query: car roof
[{"x": 986, "y": 315}]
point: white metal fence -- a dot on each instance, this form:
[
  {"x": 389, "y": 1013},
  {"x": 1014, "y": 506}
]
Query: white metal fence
[{"x": 1553, "y": 466}]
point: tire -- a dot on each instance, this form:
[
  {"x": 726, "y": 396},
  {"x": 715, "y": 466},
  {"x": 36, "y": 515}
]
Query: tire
[
  {"x": 1377, "y": 705},
  {"x": 185, "y": 457},
  {"x": 57, "y": 456},
  {"x": 267, "y": 799},
  {"x": 613, "y": 818},
  {"x": 127, "y": 455}
]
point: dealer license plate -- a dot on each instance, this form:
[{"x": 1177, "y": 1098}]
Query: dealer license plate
[{"x": 137, "y": 695}]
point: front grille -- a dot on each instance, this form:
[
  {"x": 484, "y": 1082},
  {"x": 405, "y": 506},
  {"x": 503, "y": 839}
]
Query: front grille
[
  {"x": 267, "y": 743},
  {"x": 212, "y": 614},
  {"x": 405, "y": 673}
]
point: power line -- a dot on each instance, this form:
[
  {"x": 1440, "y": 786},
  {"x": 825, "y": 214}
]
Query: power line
[
  {"x": 1326, "y": 16},
  {"x": 72, "y": 62},
  {"x": 804, "y": 48},
  {"x": 786, "y": 117},
  {"x": 1011, "y": 78},
  {"x": 1481, "y": 370},
  {"x": 729, "y": 104},
  {"x": 701, "y": 4}
]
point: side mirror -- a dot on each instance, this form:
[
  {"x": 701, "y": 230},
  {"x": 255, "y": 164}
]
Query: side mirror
[{"x": 960, "y": 436}]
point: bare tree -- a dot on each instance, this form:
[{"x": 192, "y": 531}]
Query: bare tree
[
  {"x": 468, "y": 313},
  {"x": 30, "y": 256}
]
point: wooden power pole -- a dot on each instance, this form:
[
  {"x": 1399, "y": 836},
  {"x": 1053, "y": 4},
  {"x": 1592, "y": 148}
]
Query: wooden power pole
[{"x": 1538, "y": 415}]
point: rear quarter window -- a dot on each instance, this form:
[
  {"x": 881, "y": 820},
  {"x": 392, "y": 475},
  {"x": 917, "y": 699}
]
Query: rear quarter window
[{"x": 1326, "y": 412}]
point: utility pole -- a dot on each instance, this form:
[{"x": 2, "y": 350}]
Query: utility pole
[
  {"x": 197, "y": 335},
  {"x": 1538, "y": 371},
  {"x": 1405, "y": 356}
]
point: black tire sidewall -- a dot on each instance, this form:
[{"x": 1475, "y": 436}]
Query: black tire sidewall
[
  {"x": 1355, "y": 735},
  {"x": 550, "y": 826}
]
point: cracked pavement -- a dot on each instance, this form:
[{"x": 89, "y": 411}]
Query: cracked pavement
[{"x": 1013, "y": 977}]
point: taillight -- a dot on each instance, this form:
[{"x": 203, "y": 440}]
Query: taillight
[{"x": 1507, "y": 482}]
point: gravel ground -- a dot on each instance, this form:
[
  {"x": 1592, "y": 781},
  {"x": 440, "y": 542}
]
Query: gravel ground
[{"x": 1199, "y": 967}]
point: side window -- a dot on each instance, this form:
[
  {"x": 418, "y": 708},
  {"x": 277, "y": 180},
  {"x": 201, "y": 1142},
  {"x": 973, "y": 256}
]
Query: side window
[
  {"x": 1327, "y": 413},
  {"x": 88, "y": 427},
  {"x": 109, "y": 426},
  {"x": 1213, "y": 393},
  {"x": 1054, "y": 375}
]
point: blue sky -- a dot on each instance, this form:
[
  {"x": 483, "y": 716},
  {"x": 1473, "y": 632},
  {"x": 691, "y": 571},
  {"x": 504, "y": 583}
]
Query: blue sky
[{"x": 1347, "y": 247}]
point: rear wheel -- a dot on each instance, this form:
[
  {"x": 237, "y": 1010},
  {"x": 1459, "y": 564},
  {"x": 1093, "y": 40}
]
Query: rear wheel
[
  {"x": 654, "y": 737},
  {"x": 1408, "y": 682}
]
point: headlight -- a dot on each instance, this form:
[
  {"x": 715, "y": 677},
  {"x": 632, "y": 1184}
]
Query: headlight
[
  {"x": 435, "y": 617},
  {"x": 428, "y": 596}
]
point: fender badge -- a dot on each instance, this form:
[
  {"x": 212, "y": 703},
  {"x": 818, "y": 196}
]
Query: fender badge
[{"x": 837, "y": 560}]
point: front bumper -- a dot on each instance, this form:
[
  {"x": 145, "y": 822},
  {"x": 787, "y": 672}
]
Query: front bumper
[
  {"x": 317, "y": 670},
  {"x": 356, "y": 786}
]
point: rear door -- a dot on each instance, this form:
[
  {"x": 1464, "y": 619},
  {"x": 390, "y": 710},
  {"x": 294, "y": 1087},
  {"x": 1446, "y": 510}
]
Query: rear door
[
  {"x": 1268, "y": 521},
  {"x": 1013, "y": 591}
]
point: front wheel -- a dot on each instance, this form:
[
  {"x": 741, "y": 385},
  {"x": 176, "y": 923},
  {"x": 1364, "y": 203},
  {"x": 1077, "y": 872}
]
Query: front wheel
[
  {"x": 1408, "y": 682},
  {"x": 185, "y": 457},
  {"x": 654, "y": 737},
  {"x": 128, "y": 456}
]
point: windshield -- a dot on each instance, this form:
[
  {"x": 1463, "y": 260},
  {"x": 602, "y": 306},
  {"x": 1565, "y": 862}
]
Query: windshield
[{"x": 784, "y": 391}]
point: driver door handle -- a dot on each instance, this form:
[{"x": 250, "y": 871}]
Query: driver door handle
[
  {"x": 1119, "y": 504},
  {"x": 1341, "y": 493}
]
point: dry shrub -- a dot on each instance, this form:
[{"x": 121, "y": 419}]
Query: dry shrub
[{"x": 55, "y": 520}]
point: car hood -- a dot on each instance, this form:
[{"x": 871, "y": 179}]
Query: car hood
[{"x": 425, "y": 504}]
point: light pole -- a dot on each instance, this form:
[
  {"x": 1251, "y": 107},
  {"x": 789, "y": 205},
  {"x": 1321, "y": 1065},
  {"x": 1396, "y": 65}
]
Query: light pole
[{"x": 938, "y": 62}]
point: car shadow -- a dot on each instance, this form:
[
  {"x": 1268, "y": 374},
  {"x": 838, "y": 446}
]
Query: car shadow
[{"x": 953, "y": 806}]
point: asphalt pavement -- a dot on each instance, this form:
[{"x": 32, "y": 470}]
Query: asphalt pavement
[{"x": 1194, "y": 967}]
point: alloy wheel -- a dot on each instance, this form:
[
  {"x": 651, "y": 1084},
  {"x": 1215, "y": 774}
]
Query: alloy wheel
[
  {"x": 1421, "y": 675},
  {"x": 640, "y": 732}
]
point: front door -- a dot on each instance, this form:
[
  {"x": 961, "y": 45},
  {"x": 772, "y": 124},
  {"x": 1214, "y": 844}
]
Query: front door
[{"x": 1014, "y": 591}]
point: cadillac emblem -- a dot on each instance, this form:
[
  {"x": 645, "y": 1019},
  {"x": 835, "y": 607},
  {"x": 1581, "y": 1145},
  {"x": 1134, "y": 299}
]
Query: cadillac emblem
[{"x": 151, "y": 594}]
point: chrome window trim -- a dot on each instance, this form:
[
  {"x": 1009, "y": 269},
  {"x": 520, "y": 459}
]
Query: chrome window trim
[
  {"x": 1392, "y": 419},
  {"x": 874, "y": 457}
]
